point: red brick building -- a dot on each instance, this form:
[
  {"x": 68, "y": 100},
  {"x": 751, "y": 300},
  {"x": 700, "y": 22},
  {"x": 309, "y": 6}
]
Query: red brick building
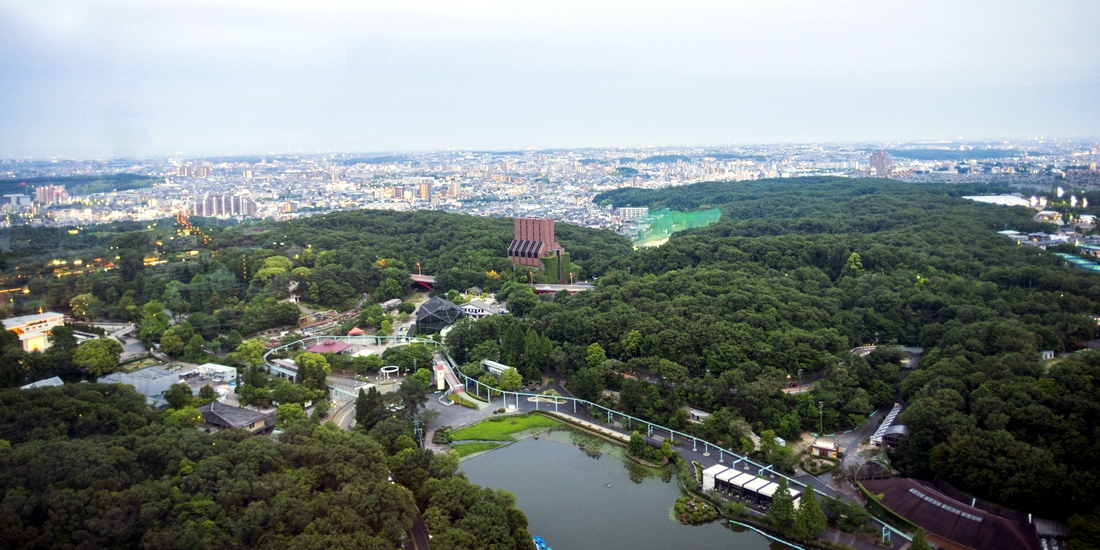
[{"x": 534, "y": 239}]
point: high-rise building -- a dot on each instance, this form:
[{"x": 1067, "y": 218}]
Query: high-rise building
[
  {"x": 539, "y": 187},
  {"x": 455, "y": 189},
  {"x": 534, "y": 238},
  {"x": 51, "y": 194},
  {"x": 185, "y": 170},
  {"x": 630, "y": 212},
  {"x": 426, "y": 190},
  {"x": 534, "y": 243},
  {"x": 880, "y": 162},
  {"x": 247, "y": 174},
  {"x": 202, "y": 171},
  {"x": 223, "y": 205}
]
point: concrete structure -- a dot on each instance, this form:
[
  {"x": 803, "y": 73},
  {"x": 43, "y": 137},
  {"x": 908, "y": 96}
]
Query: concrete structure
[
  {"x": 630, "y": 212},
  {"x": 534, "y": 239},
  {"x": 151, "y": 382},
  {"x": 880, "y": 162},
  {"x": 440, "y": 377},
  {"x": 218, "y": 373},
  {"x": 34, "y": 330}
]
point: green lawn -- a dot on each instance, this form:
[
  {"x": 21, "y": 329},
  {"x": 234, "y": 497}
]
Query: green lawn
[
  {"x": 502, "y": 428},
  {"x": 466, "y": 449}
]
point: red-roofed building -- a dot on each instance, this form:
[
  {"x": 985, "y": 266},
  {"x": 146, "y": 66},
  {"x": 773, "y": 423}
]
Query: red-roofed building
[
  {"x": 950, "y": 523},
  {"x": 355, "y": 332},
  {"x": 329, "y": 346}
]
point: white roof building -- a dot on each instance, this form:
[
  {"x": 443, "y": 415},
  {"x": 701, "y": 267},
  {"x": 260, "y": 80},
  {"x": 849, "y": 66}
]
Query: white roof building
[{"x": 34, "y": 330}]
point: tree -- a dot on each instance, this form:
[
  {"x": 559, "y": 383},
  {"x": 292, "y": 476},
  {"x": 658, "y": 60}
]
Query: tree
[
  {"x": 595, "y": 356},
  {"x": 194, "y": 348},
  {"x": 767, "y": 443},
  {"x": 510, "y": 379},
  {"x": 855, "y": 264},
  {"x": 369, "y": 409},
  {"x": 637, "y": 446},
  {"x": 171, "y": 343},
  {"x": 921, "y": 543},
  {"x": 251, "y": 352},
  {"x": 522, "y": 300},
  {"x": 84, "y": 305},
  {"x": 313, "y": 371},
  {"x": 207, "y": 394},
  {"x": 1083, "y": 533},
  {"x": 289, "y": 414},
  {"x": 179, "y": 396},
  {"x": 412, "y": 396},
  {"x": 782, "y": 508},
  {"x": 810, "y": 521},
  {"x": 99, "y": 356},
  {"x": 62, "y": 339},
  {"x": 424, "y": 376},
  {"x": 631, "y": 343}
]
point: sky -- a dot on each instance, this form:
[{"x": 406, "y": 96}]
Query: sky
[{"x": 140, "y": 78}]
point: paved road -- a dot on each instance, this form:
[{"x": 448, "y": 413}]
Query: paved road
[{"x": 344, "y": 416}]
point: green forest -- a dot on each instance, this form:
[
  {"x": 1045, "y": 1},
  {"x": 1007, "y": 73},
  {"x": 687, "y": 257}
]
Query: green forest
[
  {"x": 795, "y": 274},
  {"x": 91, "y": 466}
]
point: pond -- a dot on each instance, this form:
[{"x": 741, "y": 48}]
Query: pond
[{"x": 591, "y": 496}]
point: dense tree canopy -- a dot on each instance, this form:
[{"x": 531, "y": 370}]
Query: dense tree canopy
[{"x": 92, "y": 466}]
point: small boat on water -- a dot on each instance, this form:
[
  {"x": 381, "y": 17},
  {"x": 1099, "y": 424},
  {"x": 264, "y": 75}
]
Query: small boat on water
[{"x": 540, "y": 544}]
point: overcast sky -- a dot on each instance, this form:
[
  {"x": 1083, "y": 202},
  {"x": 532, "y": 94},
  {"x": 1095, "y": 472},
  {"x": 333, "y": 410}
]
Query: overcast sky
[{"x": 217, "y": 77}]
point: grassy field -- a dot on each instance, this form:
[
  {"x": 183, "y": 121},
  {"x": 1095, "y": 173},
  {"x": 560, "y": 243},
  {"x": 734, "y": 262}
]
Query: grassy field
[
  {"x": 502, "y": 428},
  {"x": 466, "y": 449}
]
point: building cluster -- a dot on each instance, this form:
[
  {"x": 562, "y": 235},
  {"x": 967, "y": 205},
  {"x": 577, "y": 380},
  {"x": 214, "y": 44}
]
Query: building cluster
[
  {"x": 556, "y": 184},
  {"x": 215, "y": 205}
]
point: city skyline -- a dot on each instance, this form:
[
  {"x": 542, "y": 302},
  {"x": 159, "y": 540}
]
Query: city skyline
[{"x": 126, "y": 79}]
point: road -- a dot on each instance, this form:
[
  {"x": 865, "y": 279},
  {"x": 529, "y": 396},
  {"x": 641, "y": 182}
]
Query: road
[{"x": 344, "y": 417}]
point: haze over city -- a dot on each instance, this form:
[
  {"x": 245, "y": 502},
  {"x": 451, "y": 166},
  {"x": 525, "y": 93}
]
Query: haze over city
[{"x": 98, "y": 79}]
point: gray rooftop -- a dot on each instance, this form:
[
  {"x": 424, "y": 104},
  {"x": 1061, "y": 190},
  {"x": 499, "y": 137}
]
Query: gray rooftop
[
  {"x": 228, "y": 415},
  {"x": 24, "y": 319},
  {"x": 55, "y": 381}
]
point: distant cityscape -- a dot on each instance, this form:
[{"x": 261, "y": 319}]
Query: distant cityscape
[{"x": 555, "y": 184}]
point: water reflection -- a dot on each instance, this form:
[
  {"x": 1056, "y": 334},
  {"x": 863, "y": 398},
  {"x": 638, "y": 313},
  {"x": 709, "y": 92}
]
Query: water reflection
[{"x": 596, "y": 498}]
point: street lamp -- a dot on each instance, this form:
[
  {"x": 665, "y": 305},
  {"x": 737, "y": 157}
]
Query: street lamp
[{"x": 418, "y": 268}]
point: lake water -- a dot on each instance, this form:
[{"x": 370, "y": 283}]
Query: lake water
[{"x": 563, "y": 490}]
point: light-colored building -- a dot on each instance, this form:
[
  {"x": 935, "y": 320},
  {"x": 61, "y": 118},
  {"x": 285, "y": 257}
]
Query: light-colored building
[
  {"x": 494, "y": 367},
  {"x": 218, "y": 373},
  {"x": 476, "y": 309},
  {"x": 151, "y": 382},
  {"x": 34, "y": 330}
]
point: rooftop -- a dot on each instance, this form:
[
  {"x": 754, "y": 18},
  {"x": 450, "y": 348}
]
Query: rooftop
[
  {"x": 925, "y": 506},
  {"x": 13, "y": 322},
  {"x": 329, "y": 346},
  {"x": 218, "y": 413}
]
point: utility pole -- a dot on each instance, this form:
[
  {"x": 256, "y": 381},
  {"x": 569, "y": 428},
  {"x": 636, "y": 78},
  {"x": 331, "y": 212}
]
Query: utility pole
[
  {"x": 800, "y": 380},
  {"x": 821, "y": 417}
]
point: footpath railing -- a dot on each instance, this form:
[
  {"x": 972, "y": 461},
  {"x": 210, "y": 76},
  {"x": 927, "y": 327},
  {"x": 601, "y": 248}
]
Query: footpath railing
[{"x": 613, "y": 415}]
